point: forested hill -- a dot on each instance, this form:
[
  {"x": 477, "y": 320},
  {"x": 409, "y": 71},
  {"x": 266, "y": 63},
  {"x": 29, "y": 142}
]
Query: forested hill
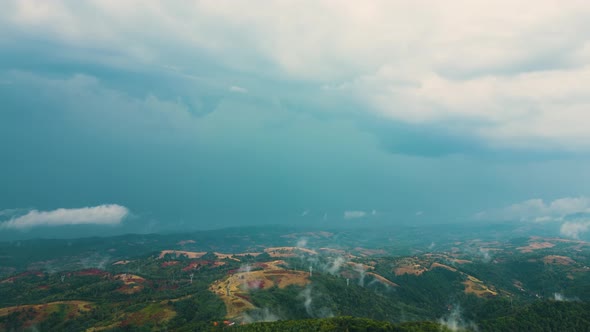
[{"x": 150, "y": 284}]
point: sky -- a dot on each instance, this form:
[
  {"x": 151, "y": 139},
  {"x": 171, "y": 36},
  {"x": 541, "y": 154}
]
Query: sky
[{"x": 148, "y": 116}]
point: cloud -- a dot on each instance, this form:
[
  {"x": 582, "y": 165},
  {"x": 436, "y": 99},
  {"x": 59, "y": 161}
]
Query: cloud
[
  {"x": 574, "y": 229},
  {"x": 307, "y": 300},
  {"x": 562, "y": 298},
  {"x": 354, "y": 214},
  {"x": 238, "y": 89},
  {"x": 110, "y": 214},
  {"x": 572, "y": 212},
  {"x": 540, "y": 211},
  {"x": 260, "y": 315},
  {"x": 335, "y": 266},
  {"x": 480, "y": 69},
  {"x": 455, "y": 321}
]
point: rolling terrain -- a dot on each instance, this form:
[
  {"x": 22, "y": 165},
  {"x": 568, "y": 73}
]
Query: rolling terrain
[{"x": 295, "y": 278}]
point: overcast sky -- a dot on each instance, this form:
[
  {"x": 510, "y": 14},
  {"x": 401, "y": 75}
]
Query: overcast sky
[{"x": 159, "y": 115}]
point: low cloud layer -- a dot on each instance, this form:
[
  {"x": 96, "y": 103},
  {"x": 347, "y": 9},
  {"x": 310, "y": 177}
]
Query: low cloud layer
[
  {"x": 110, "y": 214},
  {"x": 572, "y": 212},
  {"x": 538, "y": 210}
]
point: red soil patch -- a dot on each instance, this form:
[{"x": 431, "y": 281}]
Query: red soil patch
[
  {"x": 132, "y": 283},
  {"x": 91, "y": 272},
  {"x": 191, "y": 266},
  {"x": 22, "y": 275},
  {"x": 243, "y": 297},
  {"x": 255, "y": 284},
  {"x": 169, "y": 263}
]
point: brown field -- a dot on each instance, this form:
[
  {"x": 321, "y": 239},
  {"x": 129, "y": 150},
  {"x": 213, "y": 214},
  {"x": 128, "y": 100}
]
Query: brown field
[
  {"x": 121, "y": 262},
  {"x": 536, "y": 246},
  {"x": 185, "y": 242},
  {"x": 435, "y": 265},
  {"x": 339, "y": 252},
  {"x": 369, "y": 252},
  {"x": 477, "y": 287},
  {"x": 364, "y": 266},
  {"x": 224, "y": 256},
  {"x": 558, "y": 260},
  {"x": 287, "y": 251},
  {"x": 460, "y": 261},
  {"x": 42, "y": 311},
  {"x": 234, "y": 289},
  {"x": 82, "y": 306},
  {"x": 417, "y": 268},
  {"x": 178, "y": 253},
  {"x": 382, "y": 279},
  {"x": 409, "y": 266},
  {"x": 558, "y": 239},
  {"x": 409, "y": 269},
  {"x": 129, "y": 278}
]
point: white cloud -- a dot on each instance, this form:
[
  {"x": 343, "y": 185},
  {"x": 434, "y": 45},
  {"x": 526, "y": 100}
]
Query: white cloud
[
  {"x": 238, "y": 89},
  {"x": 574, "y": 229},
  {"x": 540, "y": 211},
  {"x": 354, "y": 214},
  {"x": 571, "y": 212},
  {"x": 517, "y": 72},
  {"x": 110, "y": 214}
]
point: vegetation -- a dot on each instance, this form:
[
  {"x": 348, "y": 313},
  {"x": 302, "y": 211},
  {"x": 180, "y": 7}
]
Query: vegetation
[
  {"x": 528, "y": 286},
  {"x": 344, "y": 323}
]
